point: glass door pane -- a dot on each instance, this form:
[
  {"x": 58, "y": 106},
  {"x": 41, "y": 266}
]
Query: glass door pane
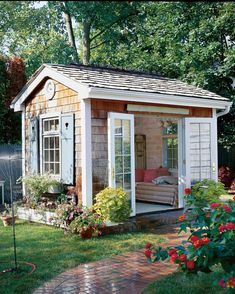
[{"x": 121, "y": 154}]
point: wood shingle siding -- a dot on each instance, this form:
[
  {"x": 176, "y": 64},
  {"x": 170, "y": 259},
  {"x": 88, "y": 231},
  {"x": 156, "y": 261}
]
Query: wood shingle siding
[{"x": 65, "y": 101}]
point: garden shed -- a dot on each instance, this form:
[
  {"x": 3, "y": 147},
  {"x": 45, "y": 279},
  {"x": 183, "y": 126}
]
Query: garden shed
[{"x": 93, "y": 127}]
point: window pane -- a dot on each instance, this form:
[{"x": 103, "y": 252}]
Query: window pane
[
  {"x": 127, "y": 164},
  {"x": 127, "y": 181},
  {"x": 118, "y": 145},
  {"x": 126, "y": 127},
  {"x": 57, "y": 156},
  {"x": 57, "y": 142},
  {"x": 52, "y": 167},
  {"x": 52, "y": 142},
  {"x": 52, "y": 156},
  {"x": 118, "y": 164},
  {"x": 46, "y": 155},
  {"x": 119, "y": 181},
  {"x": 46, "y": 126},
  {"x": 127, "y": 145},
  {"x": 46, "y": 143},
  {"x": 170, "y": 130},
  {"x": 46, "y": 167},
  {"x": 57, "y": 168},
  {"x": 56, "y": 124}
]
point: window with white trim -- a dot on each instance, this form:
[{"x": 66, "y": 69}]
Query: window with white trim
[
  {"x": 170, "y": 146},
  {"x": 51, "y": 145}
]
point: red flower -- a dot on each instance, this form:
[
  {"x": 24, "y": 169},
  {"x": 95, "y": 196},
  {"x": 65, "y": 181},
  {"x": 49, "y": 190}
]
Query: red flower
[
  {"x": 231, "y": 282},
  {"x": 222, "y": 283},
  {"x": 197, "y": 243},
  {"x": 205, "y": 241},
  {"x": 233, "y": 198},
  {"x": 214, "y": 205},
  {"x": 187, "y": 191},
  {"x": 194, "y": 239},
  {"x": 190, "y": 264},
  {"x": 226, "y": 208},
  {"x": 148, "y": 253},
  {"x": 228, "y": 226},
  {"x": 171, "y": 252},
  {"x": 182, "y": 217},
  {"x": 148, "y": 246},
  {"x": 174, "y": 257},
  {"x": 183, "y": 257}
]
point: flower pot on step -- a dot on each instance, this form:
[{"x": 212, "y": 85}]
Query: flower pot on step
[
  {"x": 86, "y": 233},
  {"x": 7, "y": 220}
]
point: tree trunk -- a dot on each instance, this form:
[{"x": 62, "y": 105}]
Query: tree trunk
[
  {"x": 86, "y": 42},
  {"x": 69, "y": 26}
]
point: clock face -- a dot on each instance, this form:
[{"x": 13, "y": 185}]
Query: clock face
[{"x": 49, "y": 89}]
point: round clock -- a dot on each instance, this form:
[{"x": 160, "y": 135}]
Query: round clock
[{"x": 49, "y": 89}]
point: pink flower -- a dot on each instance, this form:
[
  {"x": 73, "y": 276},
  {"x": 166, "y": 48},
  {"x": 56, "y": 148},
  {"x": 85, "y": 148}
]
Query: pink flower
[
  {"x": 148, "y": 246},
  {"x": 222, "y": 283},
  {"x": 214, "y": 205},
  {"x": 226, "y": 208}
]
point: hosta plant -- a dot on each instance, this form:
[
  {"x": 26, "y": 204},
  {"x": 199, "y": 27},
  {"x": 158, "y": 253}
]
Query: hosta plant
[{"x": 211, "y": 240}]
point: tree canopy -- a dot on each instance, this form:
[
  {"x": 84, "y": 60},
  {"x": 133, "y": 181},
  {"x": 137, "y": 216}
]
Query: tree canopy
[{"x": 191, "y": 41}]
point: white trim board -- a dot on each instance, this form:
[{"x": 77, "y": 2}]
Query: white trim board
[{"x": 158, "y": 109}]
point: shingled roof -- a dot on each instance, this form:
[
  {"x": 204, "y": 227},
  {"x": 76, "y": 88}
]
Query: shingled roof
[{"x": 130, "y": 80}]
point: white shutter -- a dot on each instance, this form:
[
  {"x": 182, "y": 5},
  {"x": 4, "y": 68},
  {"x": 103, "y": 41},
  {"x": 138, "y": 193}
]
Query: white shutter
[
  {"x": 67, "y": 149},
  {"x": 33, "y": 135}
]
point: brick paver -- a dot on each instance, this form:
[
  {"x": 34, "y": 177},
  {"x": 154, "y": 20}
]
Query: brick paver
[{"x": 128, "y": 273}]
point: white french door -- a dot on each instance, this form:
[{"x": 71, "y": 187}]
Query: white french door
[
  {"x": 122, "y": 154},
  {"x": 200, "y": 149}
]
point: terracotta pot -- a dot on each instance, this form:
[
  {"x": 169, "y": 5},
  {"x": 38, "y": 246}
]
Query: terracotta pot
[
  {"x": 86, "y": 234},
  {"x": 7, "y": 220}
]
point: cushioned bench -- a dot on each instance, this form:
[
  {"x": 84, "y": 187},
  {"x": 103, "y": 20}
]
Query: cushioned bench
[{"x": 163, "y": 193}]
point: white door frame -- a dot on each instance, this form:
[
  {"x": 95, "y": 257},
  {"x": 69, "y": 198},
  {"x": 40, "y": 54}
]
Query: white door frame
[
  {"x": 111, "y": 152},
  {"x": 181, "y": 163},
  {"x": 213, "y": 140}
]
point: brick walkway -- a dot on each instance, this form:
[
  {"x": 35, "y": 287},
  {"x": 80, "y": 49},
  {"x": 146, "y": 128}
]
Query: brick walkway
[{"x": 126, "y": 274}]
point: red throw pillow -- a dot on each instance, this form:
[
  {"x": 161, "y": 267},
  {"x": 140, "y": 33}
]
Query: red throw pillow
[
  {"x": 139, "y": 175},
  {"x": 162, "y": 171},
  {"x": 149, "y": 175}
]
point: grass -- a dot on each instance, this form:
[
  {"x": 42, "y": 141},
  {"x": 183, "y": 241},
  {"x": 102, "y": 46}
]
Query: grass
[
  {"x": 53, "y": 252},
  {"x": 179, "y": 283}
]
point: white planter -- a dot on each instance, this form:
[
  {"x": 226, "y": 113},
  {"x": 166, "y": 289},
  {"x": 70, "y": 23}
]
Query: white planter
[
  {"x": 33, "y": 215},
  {"x": 54, "y": 189}
]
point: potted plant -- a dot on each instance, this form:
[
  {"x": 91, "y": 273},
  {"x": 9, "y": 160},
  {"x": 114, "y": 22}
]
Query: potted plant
[
  {"x": 87, "y": 223},
  {"x": 6, "y": 216}
]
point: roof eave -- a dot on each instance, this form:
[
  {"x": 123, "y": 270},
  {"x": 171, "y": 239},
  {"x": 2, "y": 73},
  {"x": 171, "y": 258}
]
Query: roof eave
[{"x": 156, "y": 98}]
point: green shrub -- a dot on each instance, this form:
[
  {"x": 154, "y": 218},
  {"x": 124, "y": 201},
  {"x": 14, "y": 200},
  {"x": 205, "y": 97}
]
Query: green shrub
[
  {"x": 113, "y": 204},
  {"x": 37, "y": 185},
  {"x": 207, "y": 191}
]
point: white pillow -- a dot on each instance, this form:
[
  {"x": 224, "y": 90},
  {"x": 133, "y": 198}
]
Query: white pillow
[{"x": 170, "y": 180}]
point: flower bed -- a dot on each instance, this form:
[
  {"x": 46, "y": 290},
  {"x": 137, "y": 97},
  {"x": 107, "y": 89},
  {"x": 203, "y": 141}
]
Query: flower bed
[{"x": 34, "y": 215}]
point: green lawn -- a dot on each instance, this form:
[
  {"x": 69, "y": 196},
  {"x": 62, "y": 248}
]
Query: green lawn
[
  {"x": 179, "y": 283},
  {"x": 53, "y": 252}
]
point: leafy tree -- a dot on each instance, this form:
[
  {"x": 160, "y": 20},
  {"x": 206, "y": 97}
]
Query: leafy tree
[{"x": 12, "y": 79}]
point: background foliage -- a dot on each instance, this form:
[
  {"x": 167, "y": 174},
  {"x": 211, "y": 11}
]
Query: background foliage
[{"x": 190, "y": 41}]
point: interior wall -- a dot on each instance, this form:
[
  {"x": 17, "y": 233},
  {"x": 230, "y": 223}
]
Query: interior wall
[{"x": 150, "y": 126}]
